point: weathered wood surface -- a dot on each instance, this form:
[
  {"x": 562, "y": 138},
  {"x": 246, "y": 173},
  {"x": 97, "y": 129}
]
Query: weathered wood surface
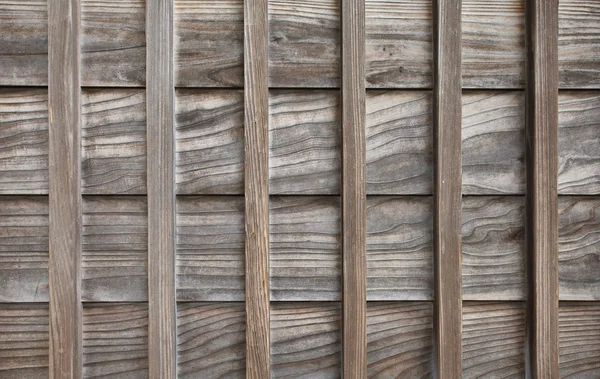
[
  {"x": 399, "y": 129},
  {"x": 113, "y": 43},
  {"x": 493, "y": 143},
  {"x": 579, "y": 343},
  {"x": 493, "y": 248},
  {"x": 210, "y": 248},
  {"x": 209, "y": 43},
  {"x": 23, "y": 249},
  {"x": 23, "y": 141},
  {"x": 399, "y": 44},
  {"x": 305, "y": 142},
  {"x": 24, "y": 43},
  {"x": 24, "y": 341},
  {"x": 400, "y": 340},
  {"x": 115, "y": 341},
  {"x": 209, "y": 142},
  {"x": 399, "y": 248},
  {"x": 578, "y": 44},
  {"x": 305, "y": 340},
  {"x": 579, "y": 248},
  {"x": 579, "y": 142},
  {"x": 494, "y": 340},
  {"x": 115, "y": 249},
  {"x": 113, "y": 141},
  {"x": 211, "y": 340}
]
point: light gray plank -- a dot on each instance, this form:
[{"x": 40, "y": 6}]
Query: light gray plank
[{"x": 579, "y": 340}]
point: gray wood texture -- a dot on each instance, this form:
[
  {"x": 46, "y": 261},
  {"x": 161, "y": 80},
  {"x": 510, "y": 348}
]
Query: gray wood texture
[
  {"x": 23, "y": 141},
  {"x": 211, "y": 340},
  {"x": 400, "y": 340},
  {"x": 306, "y": 340},
  {"x": 210, "y": 248},
  {"x": 24, "y": 43},
  {"x": 23, "y": 249},
  {"x": 579, "y": 248},
  {"x": 579, "y": 331},
  {"x": 494, "y": 340},
  {"x": 399, "y": 248},
  {"x": 113, "y": 141},
  {"x": 304, "y": 142}
]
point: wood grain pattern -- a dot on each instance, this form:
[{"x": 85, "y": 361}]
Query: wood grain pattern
[
  {"x": 493, "y": 44},
  {"x": 305, "y": 142},
  {"x": 210, "y": 141},
  {"x": 115, "y": 249},
  {"x": 398, "y": 44},
  {"x": 579, "y": 248},
  {"x": 113, "y": 141},
  {"x": 579, "y": 142},
  {"x": 304, "y": 43},
  {"x": 113, "y": 43},
  {"x": 447, "y": 187},
  {"x": 579, "y": 331},
  {"x": 493, "y": 248},
  {"x": 23, "y": 249},
  {"x": 493, "y": 143},
  {"x": 209, "y": 43},
  {"x": 211, "y": 340},
  {"x": 210, "y": 248},
  {"x": 23, "y": 141},
  {"x": 399, "y": 142},
  {"x": 115, "y": 341},
  {"x": 24, "y": 44},
  {"x": 305, "y": 249},
  {"x": 400, "y": 340},
  {"x": 399, "y": 248},
  {"x": 578, "y": 44},
  {"x": 24, "y": 341},
  {"x": 306, "y": 340},
  {"x": 494, "y": 340}
]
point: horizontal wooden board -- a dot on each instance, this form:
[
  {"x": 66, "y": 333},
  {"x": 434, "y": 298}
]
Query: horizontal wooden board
[
  {"x": 304, "y": 142},
  {"x": 493, "y": 248},
  {"x": 209, "y": 131},
  {"x": 493, "y": 143},
  {"x": 579, "y": 340},
  {"x": 305, "y": 340},
  {"x": 578, "y": 44},
  {"x": 210, "y": 248},
  {"x": 115, "y": 341},
  {"x": 23, "y": 140},
  {"x": 211, "y": 340},
  {"x": 115, "y": 249},
  {"x": 399, "y": 248},
  {"x": 399, "y": 142},
  {"x": 494, "y": 340},
  {"x": 23, "y": 249},
  {"x": 113, "y": 43},
  {"x": 400, "y": 340},
  {"x": 579, "y": 142},
  {"x": 113, "y": 141},
  {"x": 24, "y": 43},
  {"x": 579, "y": 248}
]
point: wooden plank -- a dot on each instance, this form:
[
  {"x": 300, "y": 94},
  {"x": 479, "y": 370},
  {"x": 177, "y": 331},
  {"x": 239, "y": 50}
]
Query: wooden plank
[
  {"x": 256, "y": 187},
  {"x": 447, "y": 187},
  {"x": 115, "y": 340},
  {"x": 579, "y": 331},
  {"x": 542, "y": 211},
  {"x": 160, "y": 108},
  {"x": 64, "y": 111}
]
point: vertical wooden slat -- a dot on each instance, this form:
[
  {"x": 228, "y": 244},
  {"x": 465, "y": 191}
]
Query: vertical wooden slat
[
  {"x": 64, "y": 107},
  {"x": 354, "y": 323},
  {"x": 542, "y": 200},
  {"x": 256, "y": 134},
  {"x": 447, "y": 187},
  {"x": 161, "y": 189}
]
